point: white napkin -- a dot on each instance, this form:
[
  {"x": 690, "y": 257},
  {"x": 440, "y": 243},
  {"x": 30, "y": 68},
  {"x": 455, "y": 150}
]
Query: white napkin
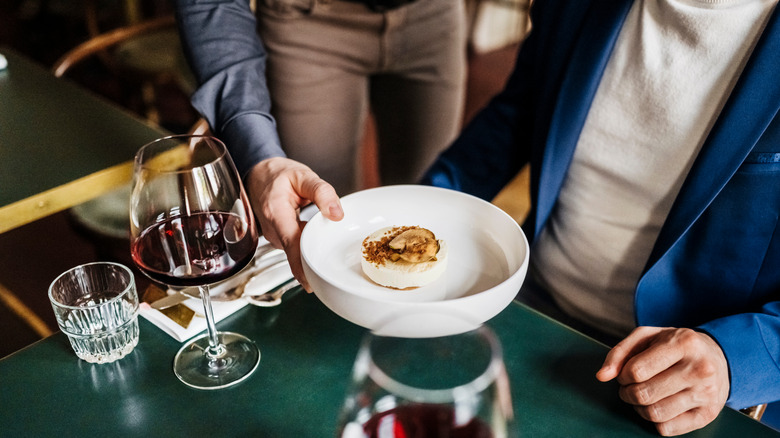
[{"x": 272, "y": 270}]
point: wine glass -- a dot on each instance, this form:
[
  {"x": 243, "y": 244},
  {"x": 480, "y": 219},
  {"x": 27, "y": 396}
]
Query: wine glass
[
  {"x": 191, "y": 225},
  {"x": 450, "y": 386}
]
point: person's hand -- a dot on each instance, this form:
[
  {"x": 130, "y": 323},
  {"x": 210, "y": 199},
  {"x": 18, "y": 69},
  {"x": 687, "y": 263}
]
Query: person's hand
[
  {"x": 677, "y": 378},
  {"x": 277, "y": 188}
]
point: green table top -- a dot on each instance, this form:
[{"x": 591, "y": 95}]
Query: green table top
[
  {"x": 297, "y": 391},
  {"x": 53, "y": 132}
]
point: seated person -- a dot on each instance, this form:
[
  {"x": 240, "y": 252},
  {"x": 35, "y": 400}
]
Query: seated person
[{"x": 653, "y": 133}]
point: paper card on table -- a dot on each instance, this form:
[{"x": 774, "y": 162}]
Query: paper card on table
[{"x": 198, "y": 322}]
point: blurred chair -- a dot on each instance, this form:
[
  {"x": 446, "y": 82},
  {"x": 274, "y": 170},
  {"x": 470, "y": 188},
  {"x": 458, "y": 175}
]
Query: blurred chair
[
  {"x": 201, "y": 127},
  {"x": 755, "y": 412},
  {"x": 143, "y": 57}
]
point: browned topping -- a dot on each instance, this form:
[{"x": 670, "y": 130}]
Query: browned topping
[
  {"x": 416, "y": 245},
  {"x": 413, "y": 244}
]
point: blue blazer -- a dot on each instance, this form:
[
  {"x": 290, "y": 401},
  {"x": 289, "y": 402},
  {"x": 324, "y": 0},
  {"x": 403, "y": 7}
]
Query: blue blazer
[{"x": 716, "y": 263}]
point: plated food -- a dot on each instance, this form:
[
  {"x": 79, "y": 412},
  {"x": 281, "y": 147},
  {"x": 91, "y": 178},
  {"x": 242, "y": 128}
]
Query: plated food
[
  {"x": 485, "y": 250},
  {"x": 403, "y": 257}
]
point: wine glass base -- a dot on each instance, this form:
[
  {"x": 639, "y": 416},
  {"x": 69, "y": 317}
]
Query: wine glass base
[{"x": 237, "y": 361}]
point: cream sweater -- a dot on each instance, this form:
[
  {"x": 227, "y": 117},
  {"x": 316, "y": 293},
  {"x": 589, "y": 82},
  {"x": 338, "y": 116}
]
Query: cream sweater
[{"x": 672, "y": 69}]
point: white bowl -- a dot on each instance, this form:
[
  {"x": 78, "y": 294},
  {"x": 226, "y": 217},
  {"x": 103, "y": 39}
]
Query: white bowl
[{"x": 488, "y": 260}]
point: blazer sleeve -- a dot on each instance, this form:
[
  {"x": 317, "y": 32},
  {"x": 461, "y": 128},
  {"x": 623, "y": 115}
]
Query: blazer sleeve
[
  {"x": 228, "y": 59},
  {"x": 727, "y": 272},
  {"x": 751, "y": 344}
]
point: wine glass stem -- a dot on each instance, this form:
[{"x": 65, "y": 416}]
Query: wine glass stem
[{"x": 215, "y": 348}]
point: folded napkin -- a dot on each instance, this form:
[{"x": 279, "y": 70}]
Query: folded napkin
[{"x": 186, "y": 319}]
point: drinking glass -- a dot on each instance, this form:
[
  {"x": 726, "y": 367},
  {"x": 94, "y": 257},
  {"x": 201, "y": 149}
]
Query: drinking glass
[
  {"x": 96, "y": 306},
  {"x": 451, "y": 386},
  {"x": 191, "y": 225}
]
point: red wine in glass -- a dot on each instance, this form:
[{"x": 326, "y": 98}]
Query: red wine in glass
[
  {"x": 422, "y": 420},
  {"x": 205, "y": 247},
  {"x": 191, "y": 224},
  {"x": 451, "y": 386}
]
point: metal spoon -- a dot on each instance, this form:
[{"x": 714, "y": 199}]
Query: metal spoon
[
  {"x": 274, "y": 296},
  {"x": 236, "y": 292}
]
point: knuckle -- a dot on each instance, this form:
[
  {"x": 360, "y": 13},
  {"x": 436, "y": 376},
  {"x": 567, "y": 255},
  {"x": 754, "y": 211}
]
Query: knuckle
[
  {"x": 707, "y": 397},
  {"x": 708, "y": 414},
  {"x": 689, "y": 339},
  {"x": 705, "y": 370},
  {"x": 700, "y": 417},
  {"x": 636, "y": 394},
  {"x": 649, "y": 413},
  {"x": 642, "y": 330},
  {"x": 665, "y": 429},
  {"x": 633, "y": 373},
  {"x": 655, "y": 413},
  {"x": 643, "y": 412},
  {"x": 320, "y": 188}
]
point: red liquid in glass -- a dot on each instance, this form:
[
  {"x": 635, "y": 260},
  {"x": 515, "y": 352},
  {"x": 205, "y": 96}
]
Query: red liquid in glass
[
  {"x": 423, "y": 421},
  {"x": 203, "y": 248}
]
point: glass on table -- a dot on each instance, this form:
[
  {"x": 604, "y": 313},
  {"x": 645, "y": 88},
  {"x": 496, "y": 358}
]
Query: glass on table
[
  {"x": 96, "y": 306},
  {"x": 450, "y": 386},
  {"x": 191, "y": 225}
]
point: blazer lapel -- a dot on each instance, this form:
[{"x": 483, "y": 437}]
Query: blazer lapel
[
  {"x": 750, "y": 109},
  {"x": 591, "y": 52}
]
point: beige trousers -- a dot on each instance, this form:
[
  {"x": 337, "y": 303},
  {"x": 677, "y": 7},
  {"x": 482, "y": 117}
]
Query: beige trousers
[{"x": 331, "y": 61}]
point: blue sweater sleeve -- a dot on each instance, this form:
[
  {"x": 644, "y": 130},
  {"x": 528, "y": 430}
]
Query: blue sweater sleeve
[{"x": 228, "y": 59}]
